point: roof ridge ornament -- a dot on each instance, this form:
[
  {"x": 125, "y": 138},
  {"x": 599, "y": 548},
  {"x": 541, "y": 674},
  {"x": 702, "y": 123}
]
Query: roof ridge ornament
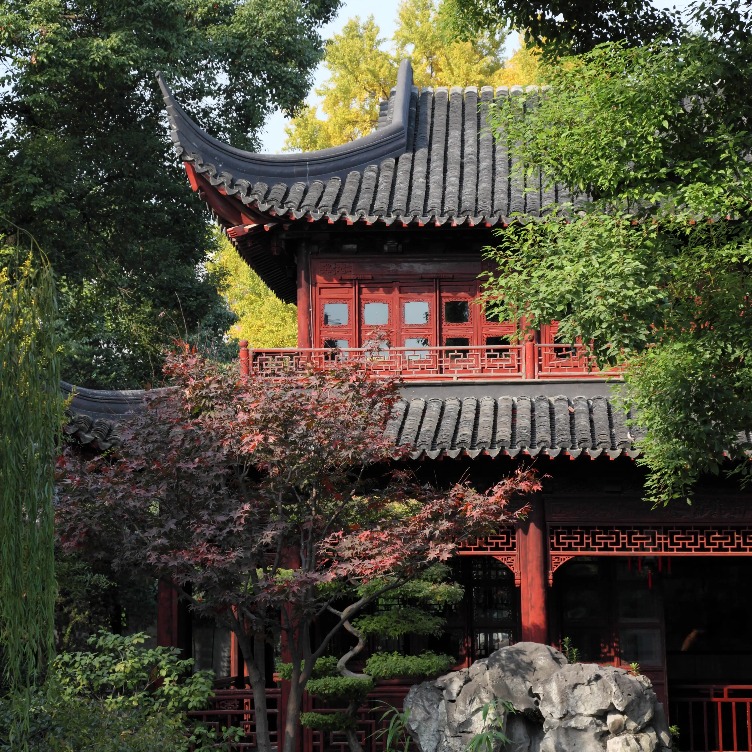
[{"x": 194, "y": 144}]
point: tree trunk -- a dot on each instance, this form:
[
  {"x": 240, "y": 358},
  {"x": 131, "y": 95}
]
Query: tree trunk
[
  {"x": 294, "y": 708},
  {"x": 254, "y": 654},
  {"x": 351, "y": 733}
]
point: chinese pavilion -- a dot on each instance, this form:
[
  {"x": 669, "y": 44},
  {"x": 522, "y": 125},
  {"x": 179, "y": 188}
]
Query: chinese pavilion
[{"x": 379, "y": 243}]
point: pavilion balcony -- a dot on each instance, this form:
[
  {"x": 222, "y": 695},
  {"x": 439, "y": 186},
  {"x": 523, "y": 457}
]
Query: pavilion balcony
[{"x": 526, "y": 361}]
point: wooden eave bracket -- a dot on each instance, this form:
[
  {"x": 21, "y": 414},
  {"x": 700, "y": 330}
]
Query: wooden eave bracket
[{"x": 229, "y": 208}]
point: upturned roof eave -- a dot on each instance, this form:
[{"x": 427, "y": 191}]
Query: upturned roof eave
[{"x": 194, "y": 144}]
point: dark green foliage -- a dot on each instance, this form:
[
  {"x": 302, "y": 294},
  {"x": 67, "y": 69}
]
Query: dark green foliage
[
  {"x": 118, "y": 697},
  {"x": 86, "y": 162},
  {"x": 396, "y": 665},
  {"x": 93, "y": 597},
  {"x": 656, "y": 270},
  {"x": 324, "y": 666},
  {"x": 31, "y": 412},
  {"x": 567, "y": 27},
  {"x": 400, "y": 621},
  {"x": 327, "y": 721},
  {"x": 335, "y": 689}
]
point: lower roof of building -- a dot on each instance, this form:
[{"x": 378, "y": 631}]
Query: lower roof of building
[{"x": 432, "y": 422}]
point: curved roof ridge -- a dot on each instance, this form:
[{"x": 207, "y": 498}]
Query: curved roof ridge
[{"x": 192, "y": 142}]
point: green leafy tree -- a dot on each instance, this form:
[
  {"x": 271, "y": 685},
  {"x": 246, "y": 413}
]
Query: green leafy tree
[
  {"x": 363, "y": 70},
  {"x": 262, "y": 318},
  {"x": 654, "y": 271},
  {"x": 565, "y": 27},
  {"x": 86, "y": 159},
  {"x": 413, "y": 610},
  {"x": 30, "y": 416}
]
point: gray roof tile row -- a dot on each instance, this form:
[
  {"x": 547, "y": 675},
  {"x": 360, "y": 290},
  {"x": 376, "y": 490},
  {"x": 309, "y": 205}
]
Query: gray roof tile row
[
  {"x": 432, "y": 427},
  {"x": 510, "y": 426},
  {"x": 450, "y": 169}
]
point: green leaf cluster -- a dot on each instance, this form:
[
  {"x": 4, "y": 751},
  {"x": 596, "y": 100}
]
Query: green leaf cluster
[
  {"x": 86, "y": 162},
  {"x": 395, "y": 665},
  {"x": 567, "y": 27},
  {"x": 327, "y": 721},
  {"x": 120, "y": 696},
  {"x": 324, "y": 666},
  {"x": 654, "y": 269},
  {"x": 340, "y": 688}
]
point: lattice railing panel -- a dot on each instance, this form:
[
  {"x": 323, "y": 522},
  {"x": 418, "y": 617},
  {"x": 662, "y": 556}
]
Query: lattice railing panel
[{"x": 406, "y": 362}]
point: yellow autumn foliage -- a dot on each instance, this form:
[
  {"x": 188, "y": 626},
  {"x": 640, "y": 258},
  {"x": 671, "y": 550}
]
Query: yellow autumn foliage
[
  {"x": 263, "y": 319},
  {"x": 363, "y": 71}
]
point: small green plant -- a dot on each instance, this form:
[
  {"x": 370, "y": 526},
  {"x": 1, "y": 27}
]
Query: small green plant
[
  {"x": 395, "y": 734},
  {"x": 674, "y": 731},
  {"x": 634, "y": 668},
  {"x": 492, "y": 738},
  {"x": 570, "y": 652}
]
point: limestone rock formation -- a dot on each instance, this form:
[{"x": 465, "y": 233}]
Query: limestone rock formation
[{"x": 543, "y": 704}]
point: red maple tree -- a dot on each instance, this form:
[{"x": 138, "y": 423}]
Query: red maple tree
[{"x": 268, "y": 500}]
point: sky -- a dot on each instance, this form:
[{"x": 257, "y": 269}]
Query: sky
[{"x": 385, "y": 15}]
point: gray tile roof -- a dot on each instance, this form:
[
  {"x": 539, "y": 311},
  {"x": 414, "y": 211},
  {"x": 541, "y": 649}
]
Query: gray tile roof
[
  {"x": 432, "y": 159},
  {"x": 434, "y": 426},
  {"x": 93, "y": 414},
  {"x": 511, "y": 426}
]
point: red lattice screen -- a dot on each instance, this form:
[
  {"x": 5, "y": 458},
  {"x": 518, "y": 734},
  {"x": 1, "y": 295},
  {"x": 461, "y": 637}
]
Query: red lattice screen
[
  {"x": 503, "y": 548},
  {"x": 568, "y": 541}
]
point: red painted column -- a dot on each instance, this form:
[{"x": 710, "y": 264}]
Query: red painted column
[
  {"x": 167, "y": 615},
  {"x": 529, "y": 358},
  {"x": 304, "y": 297},
  {"x": 531, "y": 546},
  {"x": 245, "y": 360}
]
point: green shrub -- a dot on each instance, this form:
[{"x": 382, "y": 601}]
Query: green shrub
[
  {"x": 324, "y": 666},
  {"x": 327, "y": 721},
  {"x": 121, "y": 672},
  {"x": 394, "y": 665},
  {"x": 338, "y": 688},
  {"x": 121, "y": 697}
]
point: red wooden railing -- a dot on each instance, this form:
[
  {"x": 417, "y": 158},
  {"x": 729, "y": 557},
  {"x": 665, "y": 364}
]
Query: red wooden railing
[
  {"x": 712, "y": 718},
  {"x": 234, "y": 707},
  {"x": 503, "y": 362}
]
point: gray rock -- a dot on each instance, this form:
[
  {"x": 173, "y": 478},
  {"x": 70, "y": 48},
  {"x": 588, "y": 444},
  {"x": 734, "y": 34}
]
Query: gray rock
[
  {"x": 424, "y": 718},
  {"x": 615, "y": 721},
  {"x": 513, "y": 671},
  {"x": 592, "y": 690},
  {"x": 660, "y": 724},
  {"x": 644, "y": 742},
  {"x": 557, "y": 707},
  {"x": 524, "y": 735},
  {"x": 574, "y": 734}
]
